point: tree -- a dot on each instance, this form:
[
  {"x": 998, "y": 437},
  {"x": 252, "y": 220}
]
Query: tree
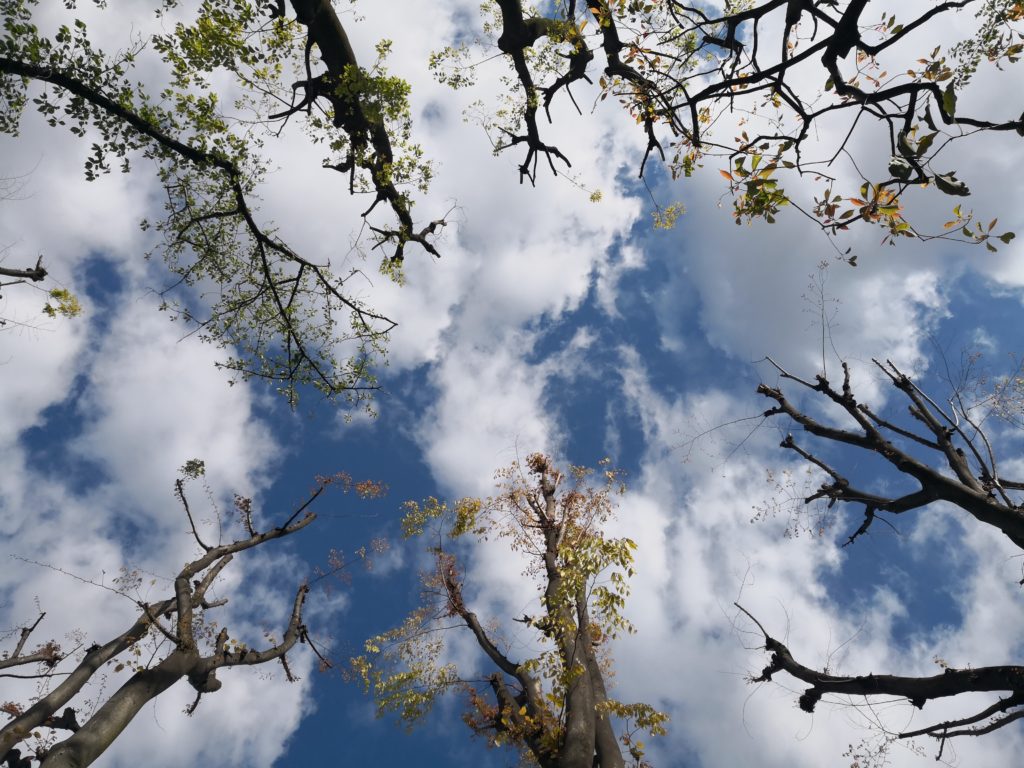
[
  {"x": 282, "y": 315},
  {"x": 180, "y": 640},
  {"x": 554, "y": 707},
  {"x": 681, "y": 69},
  {"x": 942, "y": 456}
]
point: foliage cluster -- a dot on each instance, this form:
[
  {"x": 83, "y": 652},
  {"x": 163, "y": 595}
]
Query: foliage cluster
[{"x": 556, "y": 524}]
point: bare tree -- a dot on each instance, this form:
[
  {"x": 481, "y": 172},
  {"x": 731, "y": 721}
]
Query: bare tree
[
  {"x": 186, "y": 645},
  {"x": 942, "y": 456}
]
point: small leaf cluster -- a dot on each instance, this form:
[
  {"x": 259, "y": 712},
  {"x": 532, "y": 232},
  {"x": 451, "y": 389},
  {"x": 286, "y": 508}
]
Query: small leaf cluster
[{"x": 757, "y": 193}]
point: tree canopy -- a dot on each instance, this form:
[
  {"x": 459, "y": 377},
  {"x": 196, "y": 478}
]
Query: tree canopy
[
  {"x": 749, "y": 84},
  {"x": 554, "y": 707},
  {"x": 757, "y": 85},
  {"x": 280, "y": 315}
]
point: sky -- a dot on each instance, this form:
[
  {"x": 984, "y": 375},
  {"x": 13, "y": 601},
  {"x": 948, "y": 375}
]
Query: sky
[{"x": 550, "y": 323}]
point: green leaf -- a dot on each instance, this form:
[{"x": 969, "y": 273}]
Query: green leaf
[
  {"x": 905, "y": 145},
  {"x": 900, "y": 168},
  {"x": 951, "y": 185},
  {"x": 929, "y": 119},
  {"x": 949, "y": 100},
  {"x": 925, "y": 143}
]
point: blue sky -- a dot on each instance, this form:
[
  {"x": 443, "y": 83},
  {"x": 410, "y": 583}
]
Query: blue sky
[{"x": 550, "y": 323}]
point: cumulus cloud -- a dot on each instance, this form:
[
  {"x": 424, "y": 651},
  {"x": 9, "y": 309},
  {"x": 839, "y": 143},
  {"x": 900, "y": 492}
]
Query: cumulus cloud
[
  {"x": 516, "y": 261},
  {"x": 700, "y": 552},
  {"x": 754, "y": 291},
  {"x": 129, "y": 404}
]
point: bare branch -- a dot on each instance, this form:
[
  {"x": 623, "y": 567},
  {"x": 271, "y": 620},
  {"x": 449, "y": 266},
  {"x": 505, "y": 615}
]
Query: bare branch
[
  {"x": 938, "y": 437},
  {"x": 961, "y": 488}
]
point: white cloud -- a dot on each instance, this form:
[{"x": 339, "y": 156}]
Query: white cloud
[
  {"x": 102, "y": 501},
  {"x": 610, "y": 273},
  {"x": 488, "y": 412},
  {"x": 757, "y": 294},
  {"x": 699, "y": 552},
  {"x": 515, "y": 261}
]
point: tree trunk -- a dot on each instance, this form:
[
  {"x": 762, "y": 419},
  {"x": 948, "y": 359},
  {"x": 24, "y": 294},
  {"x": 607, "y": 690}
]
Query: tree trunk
[
  {"x": 113, "y": 717},
  {"x": 609, "y": 755},
  {"x": 577, "y": 750},
  {"x": 34, "y": 716}
]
